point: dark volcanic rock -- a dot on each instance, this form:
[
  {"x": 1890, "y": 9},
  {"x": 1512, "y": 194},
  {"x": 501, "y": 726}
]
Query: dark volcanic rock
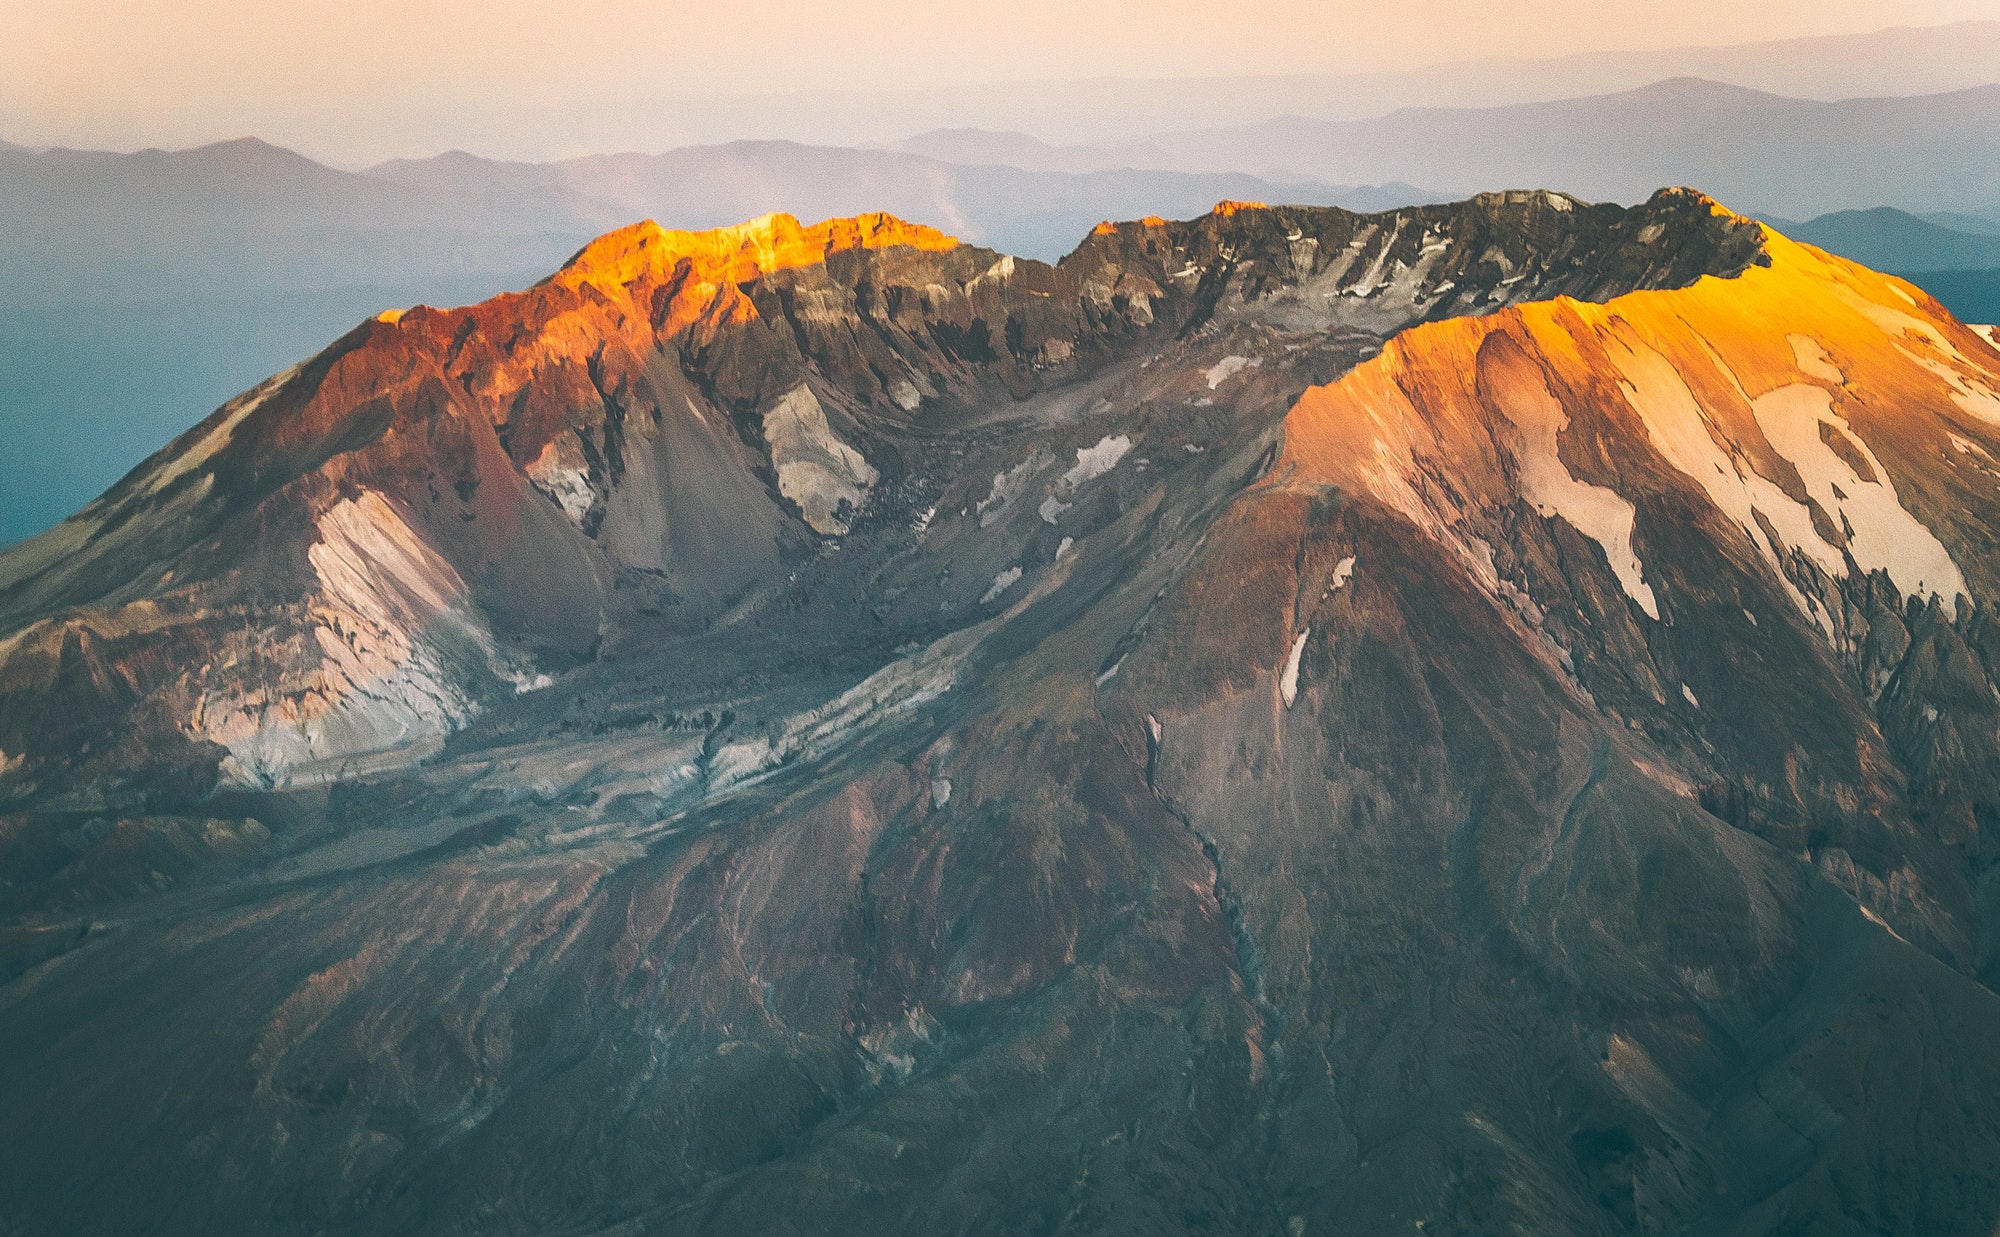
[{"x": 1479, "y": 719}]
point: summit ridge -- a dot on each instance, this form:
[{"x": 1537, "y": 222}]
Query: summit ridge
[{"x": 744, "y": 251}]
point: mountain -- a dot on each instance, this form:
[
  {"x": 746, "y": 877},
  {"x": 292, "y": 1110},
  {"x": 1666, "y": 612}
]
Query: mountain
[
  {"x": 1896, "y": 61},
  {"x": 1959, "y": 221},
  {"x": 144, "y": 287},
  {"x": 1957, "y": 265},
  {"x": 1480, "y": 717},
  {"x": 1933, "y": 152},
  {"x": 1894, "y": 240},
  {"x": 239, "y": 216}
]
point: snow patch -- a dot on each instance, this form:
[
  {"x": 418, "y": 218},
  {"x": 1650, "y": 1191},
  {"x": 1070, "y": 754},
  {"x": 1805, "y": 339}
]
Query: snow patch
[
  {"x": 1975, "y": 395},
  {"x": 1343, "y": 571},
  {"x": 1009, "y": 485},
  {"x": 1052, "y": 508},
  {"x": 889, "y": 693},
  {"x": 1599, "y": 513},
  {"x": 1094, "y": 462},
  {"x": 1884, "y": 537},
  {"x": 940, "y": 791},
  {"x": 1001, "y": 583},
  {"x": 1812, "y": 359},
  {"x": 1965, "y": 446},
  {"x": 1227, "y": 367},
  {"x": 998, "y": 273},
  {"x": 1973, "y": 387},
  {"x": 1063, "y": 548},
  {"x": 1288, "y": 683}
]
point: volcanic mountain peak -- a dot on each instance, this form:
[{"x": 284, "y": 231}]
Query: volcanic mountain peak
[
  {"x": 586, "y": 458},
  {"x": 1508, "y": 684},
  {"x": 741, "y": 252}
]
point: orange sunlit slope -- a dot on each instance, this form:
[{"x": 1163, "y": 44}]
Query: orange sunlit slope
[{"x": 1811, "y": 401}]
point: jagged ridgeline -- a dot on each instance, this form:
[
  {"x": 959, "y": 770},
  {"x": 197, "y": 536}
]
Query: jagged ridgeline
[{"x": 1481, "y": 717}]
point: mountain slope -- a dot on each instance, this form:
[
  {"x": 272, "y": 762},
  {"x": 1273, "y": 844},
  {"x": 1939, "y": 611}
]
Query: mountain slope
[{"x": 1289, "y": 721}]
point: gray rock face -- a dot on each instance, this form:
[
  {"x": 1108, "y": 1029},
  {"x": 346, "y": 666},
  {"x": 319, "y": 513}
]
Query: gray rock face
[{"x": 1201, "y": 739}]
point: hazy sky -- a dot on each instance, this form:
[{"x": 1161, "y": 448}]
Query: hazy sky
[{"x": 126, "y": 73}]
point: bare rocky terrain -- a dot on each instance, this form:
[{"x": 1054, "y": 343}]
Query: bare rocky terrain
[{"x": 1480, "y": 718}]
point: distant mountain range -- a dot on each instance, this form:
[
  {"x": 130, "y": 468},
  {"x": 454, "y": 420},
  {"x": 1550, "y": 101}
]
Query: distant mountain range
[
  {"x": 1762, "y": 152},
  {"x": 1772, "y": 155},
  {"x": 245, "y": 215},
  {"x": 1893, "y": 240}
]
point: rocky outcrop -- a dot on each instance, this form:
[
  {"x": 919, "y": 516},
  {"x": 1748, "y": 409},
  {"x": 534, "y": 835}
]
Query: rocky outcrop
[{"x": 823, "y": 477}]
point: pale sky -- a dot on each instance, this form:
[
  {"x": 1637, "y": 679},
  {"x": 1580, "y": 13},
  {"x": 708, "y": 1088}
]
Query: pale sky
[{"x": 343, "y": 77}]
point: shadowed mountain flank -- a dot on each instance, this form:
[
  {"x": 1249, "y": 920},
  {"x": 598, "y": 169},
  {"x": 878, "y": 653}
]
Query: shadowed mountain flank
[{"x": 1478, "y": 717}]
